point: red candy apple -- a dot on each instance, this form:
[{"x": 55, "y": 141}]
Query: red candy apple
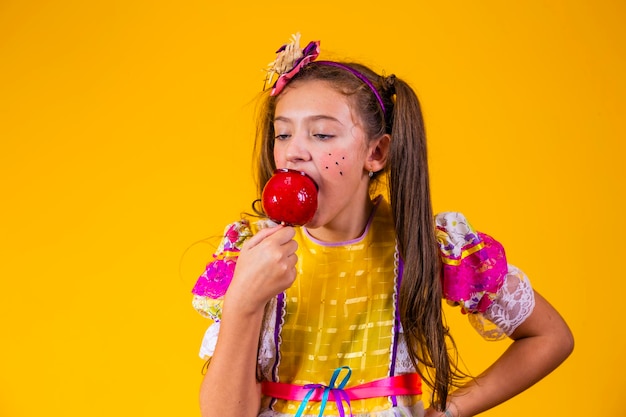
[{"x": 290, "y": 197}]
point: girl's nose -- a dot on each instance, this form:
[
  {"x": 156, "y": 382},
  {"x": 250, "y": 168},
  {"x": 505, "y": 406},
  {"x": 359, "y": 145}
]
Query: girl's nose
[{"x": 297, "y": 150}]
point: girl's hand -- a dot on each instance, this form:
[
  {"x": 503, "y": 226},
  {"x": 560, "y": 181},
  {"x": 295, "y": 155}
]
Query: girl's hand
[
  {"x": 266, "y": 266},
  {"x": 431, "y": 412},
  {"x": 451, "y": 411}
]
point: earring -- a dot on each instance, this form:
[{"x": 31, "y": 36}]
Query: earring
[{"x": 371, "y": 174}]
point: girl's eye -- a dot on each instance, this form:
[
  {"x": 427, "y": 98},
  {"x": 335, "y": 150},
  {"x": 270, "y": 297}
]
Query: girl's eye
[
  {"x": 323, "y": 136},
  {"x": 281, "y": 136}
]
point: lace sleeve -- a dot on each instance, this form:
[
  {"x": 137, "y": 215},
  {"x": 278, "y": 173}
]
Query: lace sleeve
[{"x": 512, "y": 305}]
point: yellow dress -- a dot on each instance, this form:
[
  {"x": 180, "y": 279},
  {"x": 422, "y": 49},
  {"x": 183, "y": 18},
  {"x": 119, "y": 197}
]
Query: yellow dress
[{"x": 341, "y": 311}]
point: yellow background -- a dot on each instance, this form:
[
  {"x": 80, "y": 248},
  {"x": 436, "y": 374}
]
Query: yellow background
[{"x": 125, "y": 136}]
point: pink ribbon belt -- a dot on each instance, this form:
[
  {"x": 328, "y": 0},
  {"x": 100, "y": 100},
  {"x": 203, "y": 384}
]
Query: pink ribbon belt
[{"x": 406, "y": 384}]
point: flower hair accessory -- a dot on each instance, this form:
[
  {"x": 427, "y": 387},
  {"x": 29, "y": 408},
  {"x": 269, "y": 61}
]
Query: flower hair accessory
[{"x": 290, "y": 59}]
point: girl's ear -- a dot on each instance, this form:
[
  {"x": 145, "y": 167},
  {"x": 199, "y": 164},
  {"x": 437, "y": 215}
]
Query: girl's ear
[{"x": 378, "y": 153}]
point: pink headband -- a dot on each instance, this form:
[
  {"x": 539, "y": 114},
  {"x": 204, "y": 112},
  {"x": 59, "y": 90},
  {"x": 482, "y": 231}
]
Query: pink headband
[{"x": 290, "y": 60}]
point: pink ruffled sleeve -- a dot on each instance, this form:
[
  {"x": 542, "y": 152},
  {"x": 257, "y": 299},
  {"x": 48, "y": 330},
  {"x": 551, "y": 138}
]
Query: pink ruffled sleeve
[
  {"x": 477, "y": 277},
  {"x": 474, "y": 264},
  {"x": 208, "y": 292}
]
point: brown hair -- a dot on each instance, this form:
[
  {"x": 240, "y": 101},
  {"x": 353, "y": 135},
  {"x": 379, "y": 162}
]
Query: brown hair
[{"x": 409, "y": 193}]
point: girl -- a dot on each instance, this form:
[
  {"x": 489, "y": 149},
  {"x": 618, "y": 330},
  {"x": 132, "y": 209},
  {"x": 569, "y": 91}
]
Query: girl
[{"x": 343, "y": 316}]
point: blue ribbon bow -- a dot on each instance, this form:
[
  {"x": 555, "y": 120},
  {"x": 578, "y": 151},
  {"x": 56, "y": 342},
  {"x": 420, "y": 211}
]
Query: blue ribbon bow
[{"x": 338, "y": 392}]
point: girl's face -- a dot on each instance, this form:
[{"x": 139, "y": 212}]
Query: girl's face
[{"x": 318, "y": 132}]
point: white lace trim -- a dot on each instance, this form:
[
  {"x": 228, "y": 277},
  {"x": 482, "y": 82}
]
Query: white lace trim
[
  {"x": 404, "y": 365},
  {"x": 513, "y": 304},
  {"x": 267, "y": 347},
  {"x": 396, "y": 271},
  {"x": 207, "y": 347}
]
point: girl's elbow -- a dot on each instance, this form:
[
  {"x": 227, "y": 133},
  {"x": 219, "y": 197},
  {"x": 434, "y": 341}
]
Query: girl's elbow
[
  {"x": 566, "y": 343},
  {"x": 560, "y": 343}
]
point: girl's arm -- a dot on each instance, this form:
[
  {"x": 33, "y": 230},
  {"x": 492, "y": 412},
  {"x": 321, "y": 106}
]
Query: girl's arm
[
  {"x": 540, "y": 344},
  {"x": 265, "y": 267}
]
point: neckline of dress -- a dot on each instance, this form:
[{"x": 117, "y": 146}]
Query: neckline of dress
[{"x": 358, "y": 239}]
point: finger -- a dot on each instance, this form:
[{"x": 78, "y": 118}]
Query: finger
[
  {"x": 285, "y": 235},
  {"x": 291, "y": 246},
  {"x": 262, "y": 235}
]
